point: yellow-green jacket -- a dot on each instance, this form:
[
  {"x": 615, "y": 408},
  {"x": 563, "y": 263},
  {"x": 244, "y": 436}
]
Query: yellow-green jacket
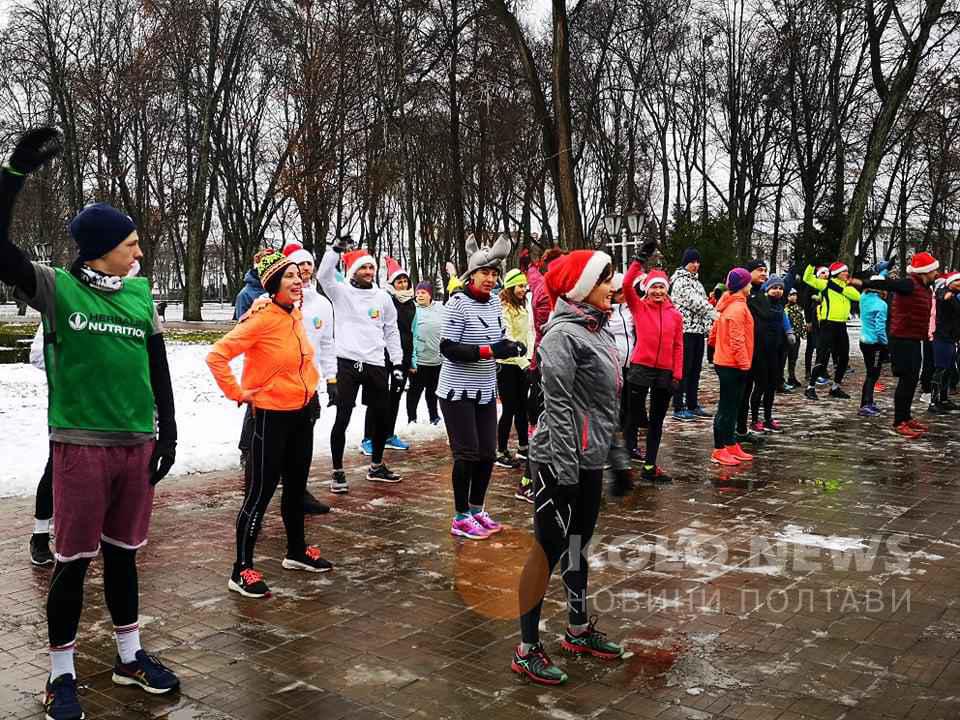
[
  {"x": 517, "y": 324},
  {"x": 837, "y": 296}
]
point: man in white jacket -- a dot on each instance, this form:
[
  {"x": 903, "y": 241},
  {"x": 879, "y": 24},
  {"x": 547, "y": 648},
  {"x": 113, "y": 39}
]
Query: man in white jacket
[{"x": 365, "y": 331}]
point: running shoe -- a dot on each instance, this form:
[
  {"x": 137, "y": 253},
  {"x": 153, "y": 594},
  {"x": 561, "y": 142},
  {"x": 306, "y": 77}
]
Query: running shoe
[
  {"x": 810, "y": 394},
  {"x": 537, "y": 666},
  {"x": 653, "y": 473},
  {"x": 683, "y": 415},
  {"x": 40, "y": 554},
  {"x": 249, "y": 583},
  {"x": 506, "y": 460},
  {"x": 382, "y": 473},
  {"x": 907, "y": 431},
  {"x": 793, "y": 382},
  {"x": 823, "y": 380},
  {"x": 435, "y": 421},
  {"x": 147, "y": 673},
  {"x": 338, "y": 482},
  {"x": 309, "y": 561},
  {"x": 839, "y": 394},
  {"x": 773, "y": 426},
  {"x": 738, "y": 452},
  {"x": 312, "y": 506},
  {"x": 395, "y": 443},
  {"x": 699, "y": 412},
  {"x": 879, "y": 387},
  {"x": 468, "y": 527},
  {"x": 522, "y": 452},
  {"x": 366, "y": 446},
  {"x": 950, "y": 405},
  {"x": 524, "y": 490},
  {"x": 487, "y": 523},
  {"x": 917, "y": 425},
  {"x": 938, "y": 409},
  {"x": 876, "y": 410},
  {"x": 723, "y": 457},
  {"x": 867, "y": 411},
  {"x": 757, "y": 426},
  {"x": 636, "y": 455},
  {"x": 591, "y": 642},
  {"x": 61, "y": 701},
  {"x": 749, "y": 437}
]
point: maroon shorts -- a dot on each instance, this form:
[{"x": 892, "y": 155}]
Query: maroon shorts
[{"x": 101, "y": 493}]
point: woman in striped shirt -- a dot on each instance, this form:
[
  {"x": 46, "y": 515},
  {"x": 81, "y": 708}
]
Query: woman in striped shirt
[{"x": 473, "y": 339}]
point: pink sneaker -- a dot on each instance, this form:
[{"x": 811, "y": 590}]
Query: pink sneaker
[
  {"x": 468, "y": 527},
  {"x": 757, "y": 426},
  {"x": 487, "y": 522}
]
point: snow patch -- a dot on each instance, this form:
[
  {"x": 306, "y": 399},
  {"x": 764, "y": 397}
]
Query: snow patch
[{"x": 801, "y": 536}]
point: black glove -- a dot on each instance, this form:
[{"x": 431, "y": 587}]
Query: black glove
[
  {"x": 505, "y": 349},
  {"x": 332, "y": 394},
  {"x": 313, "y": 407},
  {"x": 646, "y": 250},
  {"x": 164, "y": 454},
  {"x": 34, "y": 148},
  {"x": 342, "y": 244},
  {"x": 397, "y": 378}
]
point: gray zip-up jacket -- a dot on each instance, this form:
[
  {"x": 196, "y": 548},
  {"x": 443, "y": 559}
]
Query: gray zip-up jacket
[{"x": 581, "y": 380}]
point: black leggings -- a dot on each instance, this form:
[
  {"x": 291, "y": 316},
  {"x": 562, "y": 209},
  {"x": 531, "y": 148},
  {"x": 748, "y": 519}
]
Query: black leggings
[
  {"x": 513, "y": 387},
  {"x": 393, "y": 410},
  {"x": 424, "y": 381},
  {"x": 906, "y": 359},
  {"x": 563, "y": 533},
  {"x": 659, "y": 404},
  {"x": 793, "y": 354},
  {"x": 927, "y": 368},
  {"x": 813, "y": 336},
  {"x": 351, "y": 376},
  {"x": 472, "y": 429},
  {"x": 833, "y": 340},
  {"x": 44, "y": 502},
  {"x": 65, "y": 599},
  {"x": 637, "y": 416},
  {"x": 743, "y": 410},
  {"x": 873, "y": 357},
  {"x": 766, "y": 377},
  {"x": 282, "y": 447}
]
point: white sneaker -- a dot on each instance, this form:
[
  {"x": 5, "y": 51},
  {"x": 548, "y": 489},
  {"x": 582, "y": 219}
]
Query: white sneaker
[{"x": 925, "y": 398}]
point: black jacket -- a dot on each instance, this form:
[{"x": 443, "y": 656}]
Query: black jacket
[{"x": 948, "y": 317}]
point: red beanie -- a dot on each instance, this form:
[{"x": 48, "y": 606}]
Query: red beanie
[
  {"x": 575, "y": 274},
  {"x": 923, "y": 262}
]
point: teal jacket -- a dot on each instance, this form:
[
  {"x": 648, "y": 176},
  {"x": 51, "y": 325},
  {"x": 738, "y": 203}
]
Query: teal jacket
[
  {"x": 873, "y": 319},
  {"x": 427, "y": 327}
]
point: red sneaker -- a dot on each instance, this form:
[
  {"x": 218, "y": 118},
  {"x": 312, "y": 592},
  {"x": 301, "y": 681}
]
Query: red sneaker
[
  {"x": 917, "y": 425},
  {"x": 879, "y": 387},
  {"x": 907, "y": 431},
  {"x": 738, "y": 452}
]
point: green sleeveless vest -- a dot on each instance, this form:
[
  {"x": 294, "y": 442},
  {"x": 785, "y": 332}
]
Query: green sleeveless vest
[{"x": 98, "y": 371}]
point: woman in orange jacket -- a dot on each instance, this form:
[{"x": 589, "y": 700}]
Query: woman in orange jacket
[
  {"x": 732, "y": 340},
  {"x": 280, "y": 384}
]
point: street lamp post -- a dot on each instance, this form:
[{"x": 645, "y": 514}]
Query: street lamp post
[{"x": 630, "y": 223}]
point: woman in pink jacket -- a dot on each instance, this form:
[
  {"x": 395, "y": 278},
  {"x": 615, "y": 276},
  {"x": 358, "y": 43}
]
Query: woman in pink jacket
[{"x": 657, "y": 359}]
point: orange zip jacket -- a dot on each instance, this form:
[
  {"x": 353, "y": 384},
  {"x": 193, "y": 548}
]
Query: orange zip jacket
[
  {"x": 732, "y": 333},
  {"x": 278, "y": 360}
]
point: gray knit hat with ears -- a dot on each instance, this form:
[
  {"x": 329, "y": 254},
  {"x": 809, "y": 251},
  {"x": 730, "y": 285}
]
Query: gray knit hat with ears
[{"x": 488, "y": 256}]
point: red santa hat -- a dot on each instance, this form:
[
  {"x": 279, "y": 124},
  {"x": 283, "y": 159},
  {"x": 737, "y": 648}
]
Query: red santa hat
[
  {"x": 296, "y": 254},
  {"x": 575, "y": 274},
  {"x": 356, "y": 259},
  {"x": 395, "y": 270},
  {"x": 822, "y": 269},
  {"x": 951, "y": 278},
  {"x": 655, "y": 277},
  {"x": 837, "y": 268},
  {"x": 923, "y": 262}
]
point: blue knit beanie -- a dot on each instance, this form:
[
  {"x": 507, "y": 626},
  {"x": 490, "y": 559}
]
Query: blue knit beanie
[
  {"x": 98, "y": 229},
  {"x": 690, "y": 255}
]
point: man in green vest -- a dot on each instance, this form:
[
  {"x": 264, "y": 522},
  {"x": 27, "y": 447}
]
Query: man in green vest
[{"x": 111, "y": 418}]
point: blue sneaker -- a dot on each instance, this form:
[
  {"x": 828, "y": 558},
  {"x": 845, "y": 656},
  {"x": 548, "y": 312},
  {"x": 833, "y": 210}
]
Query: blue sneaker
[
  {"x": 823, "y": 381},
  {"x": 366, "y": 446},
  {"x": 146, "y": 672},
  {"x": 699, "y": 412},
  {"x": 684, "y": 415},
  {"x": 61, "y": 701},
  {"x": 394, "y": 443}
]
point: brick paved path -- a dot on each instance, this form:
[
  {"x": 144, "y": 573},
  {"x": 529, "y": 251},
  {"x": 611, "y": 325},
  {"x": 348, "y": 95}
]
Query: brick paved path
[{"x": 819, "y": 583}]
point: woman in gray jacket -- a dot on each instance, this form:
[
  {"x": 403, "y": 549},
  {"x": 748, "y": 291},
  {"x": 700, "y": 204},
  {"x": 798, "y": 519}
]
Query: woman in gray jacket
[{"x": 577, "y": 432}]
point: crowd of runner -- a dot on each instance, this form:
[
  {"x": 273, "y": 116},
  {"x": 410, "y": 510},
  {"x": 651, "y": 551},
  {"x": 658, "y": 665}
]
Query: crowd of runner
[{"x": 583, "y": 362}]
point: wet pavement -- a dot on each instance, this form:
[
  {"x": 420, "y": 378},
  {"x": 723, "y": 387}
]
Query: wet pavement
[{"x": 819, "y": 581}]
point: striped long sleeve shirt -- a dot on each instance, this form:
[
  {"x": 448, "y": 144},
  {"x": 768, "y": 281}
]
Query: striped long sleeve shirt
[{"x": 473, "y": 323}]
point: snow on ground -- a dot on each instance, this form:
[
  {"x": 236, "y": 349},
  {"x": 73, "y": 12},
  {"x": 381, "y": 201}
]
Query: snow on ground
[{"x": 208, "y": 424}]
